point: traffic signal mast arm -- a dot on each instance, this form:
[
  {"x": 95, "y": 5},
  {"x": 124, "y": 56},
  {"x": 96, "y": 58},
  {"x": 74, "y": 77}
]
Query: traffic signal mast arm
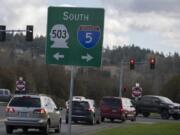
[
  {"x": 11, "y": 31},
  {"x": 29, "y": 32}
]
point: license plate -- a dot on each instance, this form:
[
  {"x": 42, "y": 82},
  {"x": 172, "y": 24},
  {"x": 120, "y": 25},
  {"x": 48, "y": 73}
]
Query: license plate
[{"x": 23, "y": 114}]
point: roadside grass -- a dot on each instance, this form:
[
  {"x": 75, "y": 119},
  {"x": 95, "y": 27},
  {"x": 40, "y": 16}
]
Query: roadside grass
[{"x": 144, "y": 129}]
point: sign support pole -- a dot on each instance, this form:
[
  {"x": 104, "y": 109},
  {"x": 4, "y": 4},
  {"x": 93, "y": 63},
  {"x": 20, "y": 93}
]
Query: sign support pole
[{"x": 70, "y": 100}]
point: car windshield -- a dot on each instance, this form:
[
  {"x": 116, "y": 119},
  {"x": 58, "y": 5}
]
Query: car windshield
[
  {"x": 25, "y": 102},
  {"x": 166, "y": 100},
  {"x": 113, "y": 102}
]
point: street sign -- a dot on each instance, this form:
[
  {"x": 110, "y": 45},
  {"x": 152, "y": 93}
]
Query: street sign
[
  {"x": 137, "y": 91},
  {"x": 20, "y": 85},
  {"x": 74, "y": 36}
]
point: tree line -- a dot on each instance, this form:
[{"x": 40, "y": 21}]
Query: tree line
[{"x": 90, "y": 82}]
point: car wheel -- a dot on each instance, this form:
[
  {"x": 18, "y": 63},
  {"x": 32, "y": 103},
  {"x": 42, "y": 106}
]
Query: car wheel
[
  {"x": 66, "y": 121},
  {"x": 137, "y": 113},
  {"x": 102, "y": 119},
  {"x": 58, "y": 128},
  {"x": 123, "y": 117},
  {"x": 45, "y": 130},
  {"x": 146, "y": 114},
  {"x": 99, "y": 120},
  {"x": 176, "y": 116},
  {"x": 165, "y": 114},
  {"x": 112, "y": 120},
  {"x": 92, "y": 122},
  {"x": 134, "y": 118},
  {"x": 75, "y": 121},
  {"x": 9, "y": 129}
]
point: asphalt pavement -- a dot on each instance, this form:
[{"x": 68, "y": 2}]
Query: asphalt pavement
[{"x": 83, "y": 128}]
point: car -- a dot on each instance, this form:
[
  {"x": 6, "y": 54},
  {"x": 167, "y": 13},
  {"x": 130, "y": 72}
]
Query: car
[
  {"x": 75, "y": 98},
  {"x": 117, "y": 108},
  {"x": 158, "y": 104},
  {"x": 5, "y": 95},
  {"x": 32, "y": 111},
  {"x": 84, "y": 110}
]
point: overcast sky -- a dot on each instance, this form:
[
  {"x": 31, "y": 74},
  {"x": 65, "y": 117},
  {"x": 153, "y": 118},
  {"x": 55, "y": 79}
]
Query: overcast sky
[{"x": 150, "y": 24}]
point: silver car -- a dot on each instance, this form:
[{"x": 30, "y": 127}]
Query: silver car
[
  {"x": 5, "y": 95},
  {"x": 32, "y": 111}
]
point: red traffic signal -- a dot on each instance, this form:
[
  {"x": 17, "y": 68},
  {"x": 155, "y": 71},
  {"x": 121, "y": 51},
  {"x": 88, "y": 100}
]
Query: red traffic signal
[
  {"x": 152, "y": 62},
  {"x": 132, "y": 64}
]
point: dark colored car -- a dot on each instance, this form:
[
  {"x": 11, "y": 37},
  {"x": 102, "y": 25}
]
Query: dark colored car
[
  {"x": 84, "y": 110},
  {"x": 158, "y": 104},
  {"x": 5, "y": 95},
  {"x": 117, "y": 108}
]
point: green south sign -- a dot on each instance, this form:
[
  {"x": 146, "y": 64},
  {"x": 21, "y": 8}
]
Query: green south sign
[{"x": 74, "y": 36}]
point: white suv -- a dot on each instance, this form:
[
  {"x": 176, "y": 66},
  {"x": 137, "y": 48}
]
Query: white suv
[{"x": 32, "y": 111}]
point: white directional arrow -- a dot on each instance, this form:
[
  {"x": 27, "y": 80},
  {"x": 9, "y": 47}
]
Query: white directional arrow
[
  {"x": 87, "y": 57},
  {"x": 57, "y": 56}
]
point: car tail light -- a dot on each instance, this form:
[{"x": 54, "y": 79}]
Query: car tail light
[
  {"x": 89, "y": 110},
  {"x": 10, "y": 109},
  {"x": 121, "y": 110},
  {"x": 40, "y": 111}
]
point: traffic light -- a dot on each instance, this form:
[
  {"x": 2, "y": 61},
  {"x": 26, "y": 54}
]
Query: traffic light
[
  {"x": 132, "y": 64},
  {"x": 152, "y": 62},
  {"x": 29, "y": 33},
  {"x": 2, "y": 33}
]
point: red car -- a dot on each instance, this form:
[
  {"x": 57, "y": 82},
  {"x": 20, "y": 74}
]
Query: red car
[{"x": 117, "y": 108}]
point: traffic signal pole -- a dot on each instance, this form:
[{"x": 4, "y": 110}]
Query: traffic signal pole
[{"x": 121, "y": 78}]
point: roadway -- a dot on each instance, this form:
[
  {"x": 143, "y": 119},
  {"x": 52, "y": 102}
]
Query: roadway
[{"x": 83, "y": 128}]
